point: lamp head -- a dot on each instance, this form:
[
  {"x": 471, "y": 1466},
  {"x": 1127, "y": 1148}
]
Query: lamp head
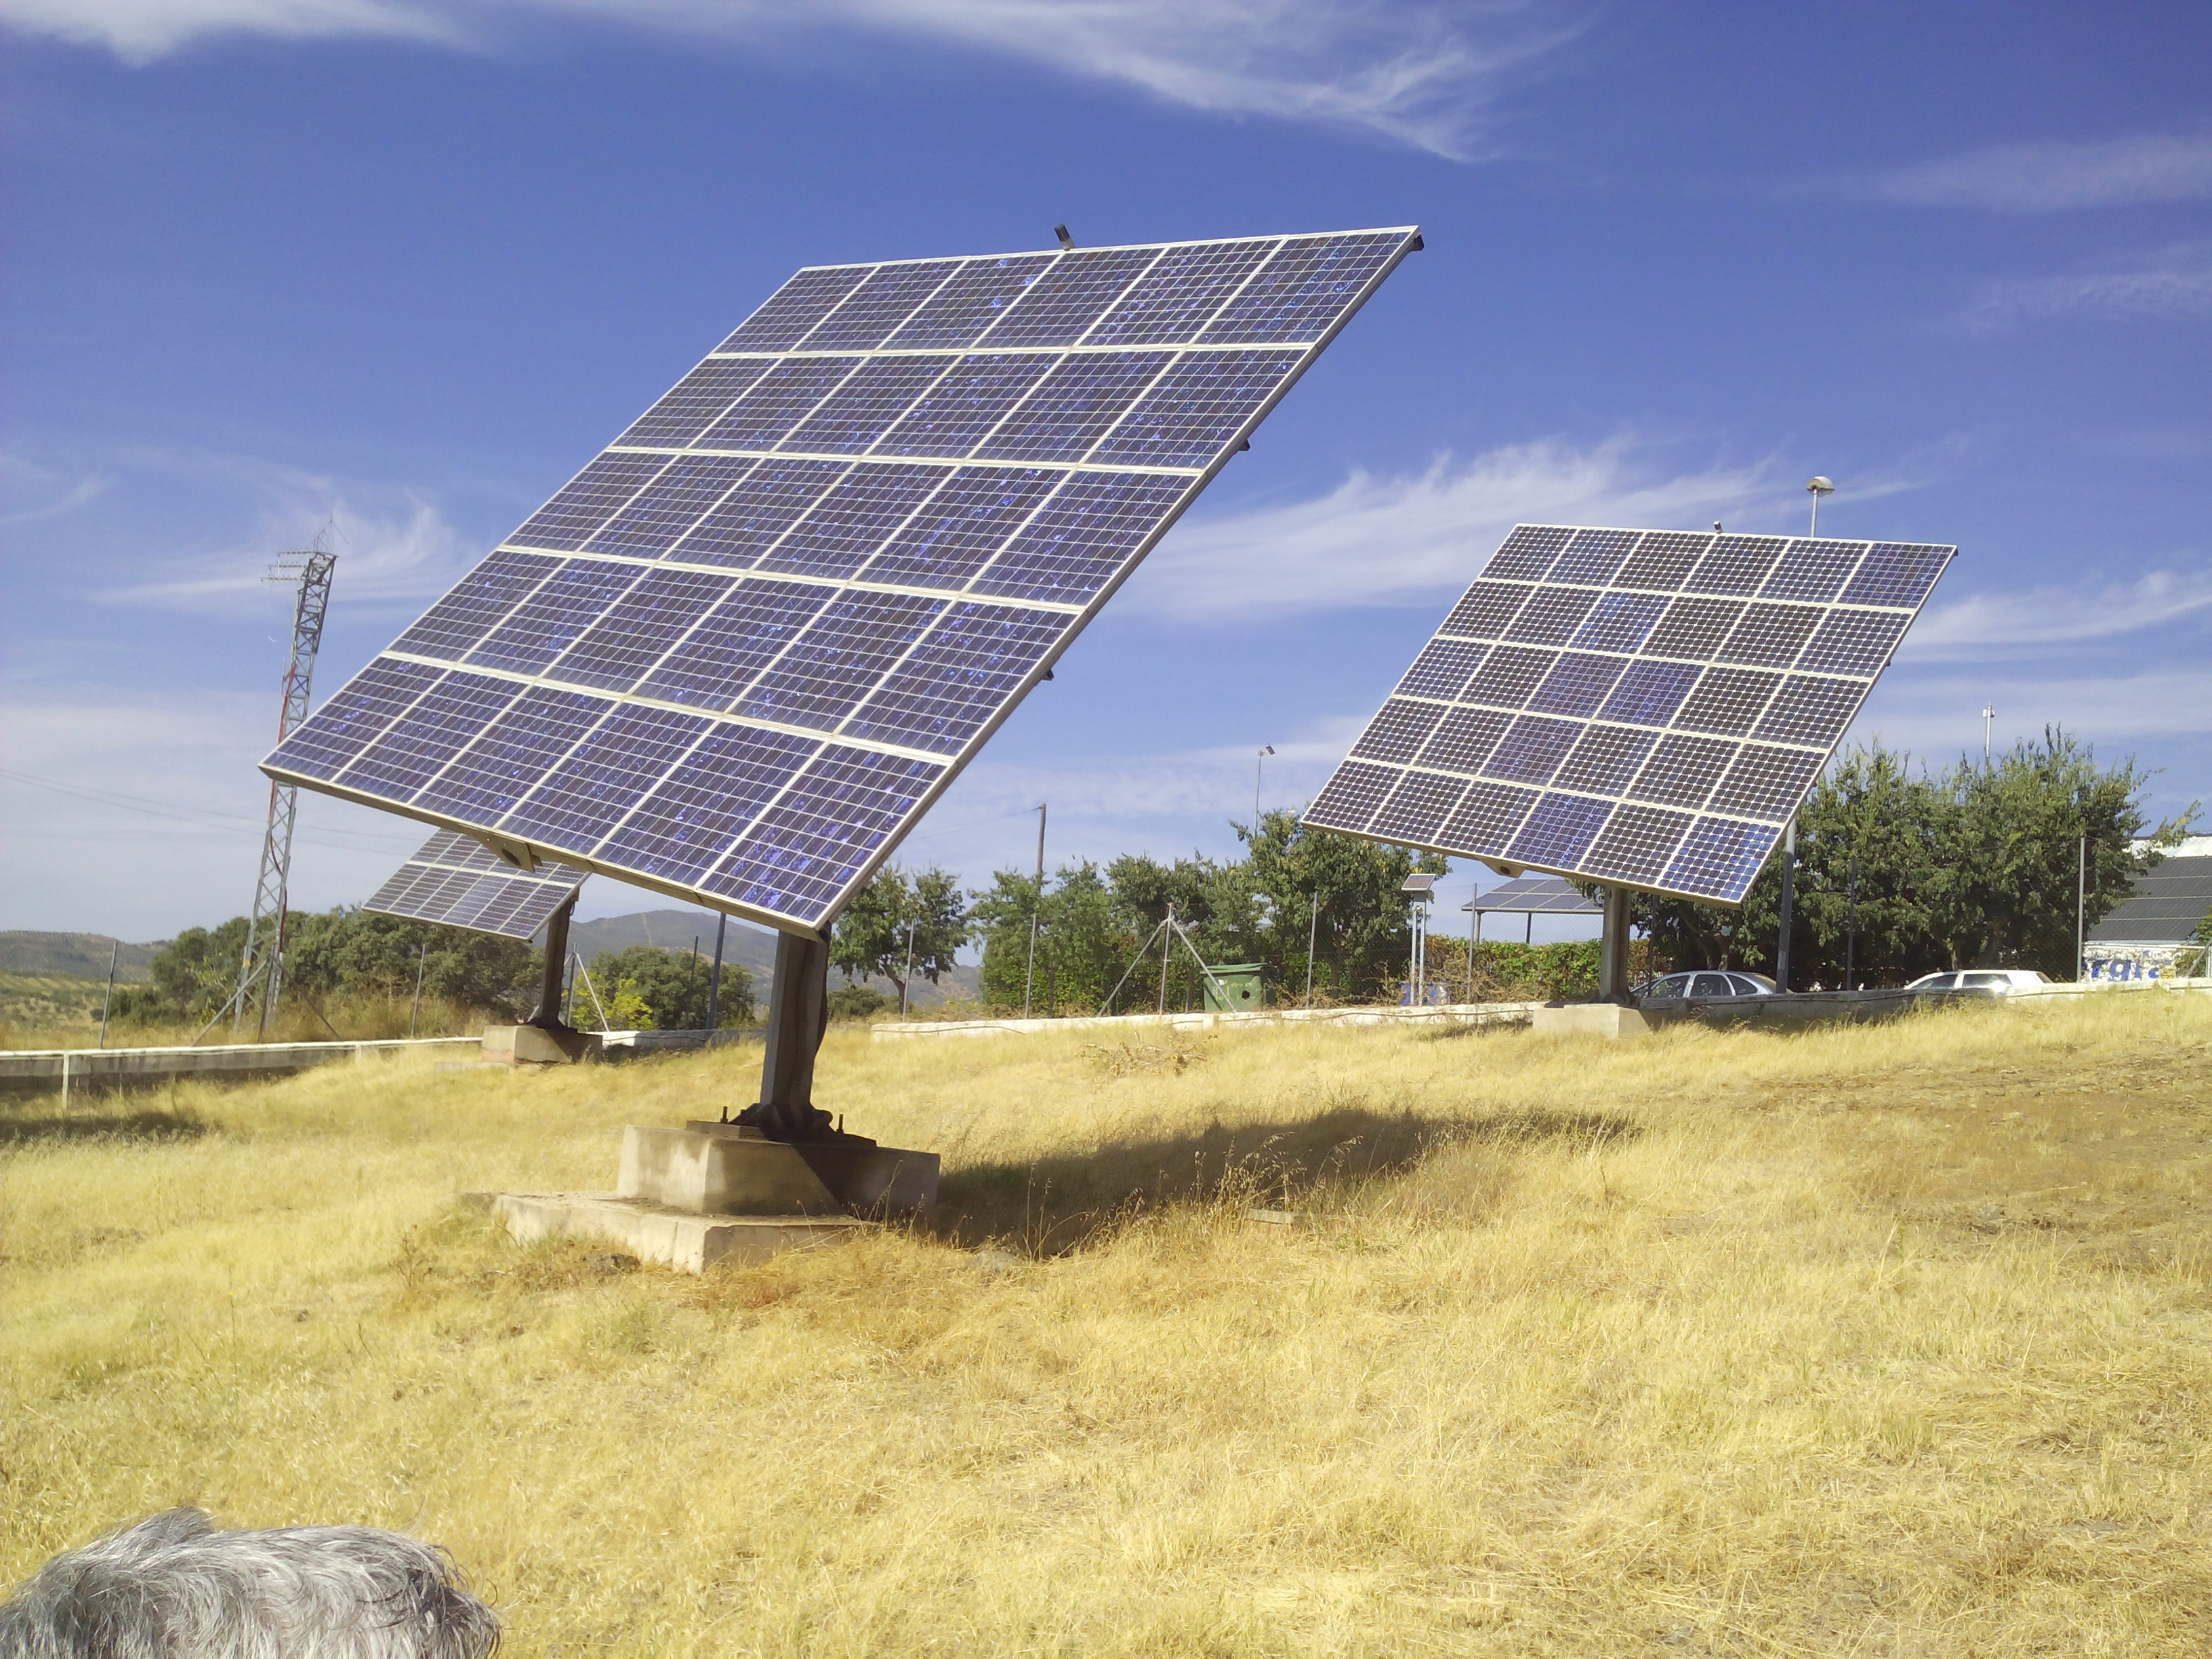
[{"x": 1822, "y": 487}]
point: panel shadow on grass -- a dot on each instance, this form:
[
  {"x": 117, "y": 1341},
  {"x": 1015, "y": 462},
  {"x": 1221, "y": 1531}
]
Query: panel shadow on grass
[{"x": 1056, "y": 1203}]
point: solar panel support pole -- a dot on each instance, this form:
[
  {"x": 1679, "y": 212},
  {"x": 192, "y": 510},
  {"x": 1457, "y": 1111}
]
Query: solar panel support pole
[
  {"x": 714, "y": 983},
  {"x": 1612, "y": 948},
  {"x": 797, "y": 1013},
  {"x": 553, "y": 988},
  {"x": 1789, "y": 872}
]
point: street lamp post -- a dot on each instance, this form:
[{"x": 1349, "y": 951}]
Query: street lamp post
[
  {"x": 1818, "y": 488},
  {"x": 1259, "y": 764}
]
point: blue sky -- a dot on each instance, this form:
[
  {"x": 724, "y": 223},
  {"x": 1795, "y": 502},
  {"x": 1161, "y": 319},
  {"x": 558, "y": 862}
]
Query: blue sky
[{"x": 398, "y": 269}]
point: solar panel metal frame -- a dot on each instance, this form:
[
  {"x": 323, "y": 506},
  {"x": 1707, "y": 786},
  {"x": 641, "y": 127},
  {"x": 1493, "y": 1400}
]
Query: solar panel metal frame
[
  {"x": 1175, "y": 350},
  {"x": 1507, "y": 654},
  {"x": 454, "y": 874}
]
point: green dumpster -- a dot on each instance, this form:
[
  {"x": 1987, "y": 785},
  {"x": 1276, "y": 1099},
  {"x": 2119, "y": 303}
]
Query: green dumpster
[{"x": 1235, "y": 987}]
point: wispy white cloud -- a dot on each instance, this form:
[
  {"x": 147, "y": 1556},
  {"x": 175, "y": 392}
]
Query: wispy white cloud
[
  {"x": 2037, "y": 621},
  {"x": 1398, "y": 540},
  {"x": 2175, "y": 283},
  {"x": 2057, "y": 176},
  {"x": 410, "y": 554},
  {"x": 1422, "y": 72}
]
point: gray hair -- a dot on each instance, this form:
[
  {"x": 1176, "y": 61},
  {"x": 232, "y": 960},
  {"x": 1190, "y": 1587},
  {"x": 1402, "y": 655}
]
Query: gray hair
[{"x": 172, "y": 1587}]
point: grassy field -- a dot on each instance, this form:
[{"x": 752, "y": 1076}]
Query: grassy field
[{"x": 1886, "y": 1341}]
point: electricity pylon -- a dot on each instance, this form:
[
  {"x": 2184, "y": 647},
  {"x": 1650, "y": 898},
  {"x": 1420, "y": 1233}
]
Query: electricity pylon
[{"x": 261, "y": 966}]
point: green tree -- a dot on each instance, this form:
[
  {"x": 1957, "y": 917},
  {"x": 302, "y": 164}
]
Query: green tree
[
  {"x": 191, "y": 977},
  {"x": 925, "y": 912},
  {"x": 1360, "y": 928},
  {"x": 1083, "y": 942},
  {"x": 670, "y": 986},
  {"x": 353, "y": 952}
]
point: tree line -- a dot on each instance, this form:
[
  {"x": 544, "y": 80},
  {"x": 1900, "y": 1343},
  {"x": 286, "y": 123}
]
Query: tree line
[{"x": 1901, "y": 870}]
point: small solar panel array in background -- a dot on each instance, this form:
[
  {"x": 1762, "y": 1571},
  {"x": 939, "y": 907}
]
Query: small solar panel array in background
[
  {"x": 1641, "y": 707},
  {"x": 1534, "y": 896},
  {"x": 741, "y": 651},
  {"x": 457, "y": 880}
]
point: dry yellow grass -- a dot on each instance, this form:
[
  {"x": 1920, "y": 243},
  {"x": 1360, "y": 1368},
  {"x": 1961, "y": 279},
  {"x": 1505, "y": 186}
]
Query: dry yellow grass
[{"x": 1893, "y": 1340}]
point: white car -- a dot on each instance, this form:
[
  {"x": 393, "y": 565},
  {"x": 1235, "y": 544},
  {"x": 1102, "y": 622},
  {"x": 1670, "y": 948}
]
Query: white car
[
  {"x": 1981, "y": 981},
  {"x": 1707, "y": 983}
]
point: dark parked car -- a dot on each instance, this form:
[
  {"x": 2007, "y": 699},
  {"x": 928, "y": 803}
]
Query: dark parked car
[{"x": 1707, "y": 985}]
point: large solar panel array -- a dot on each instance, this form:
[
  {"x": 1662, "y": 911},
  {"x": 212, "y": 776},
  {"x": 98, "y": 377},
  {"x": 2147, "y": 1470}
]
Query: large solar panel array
[
  {"x": 1643, "y": 708},
  {"x": 739, "y": 653},
  {"x": 461, "y": 882}
]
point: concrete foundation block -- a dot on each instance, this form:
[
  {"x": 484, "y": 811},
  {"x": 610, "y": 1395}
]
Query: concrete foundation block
[
  {"x": 673, "y": 1239},
  {"x": 533, "y": 1045},
  {"x": 1604, "y": 1019},
  {"x": 721, "y": 1168}
]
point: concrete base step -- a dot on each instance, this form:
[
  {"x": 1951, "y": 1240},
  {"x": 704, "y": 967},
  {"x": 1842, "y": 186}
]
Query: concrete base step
[{"x": 675, "y": 1238}]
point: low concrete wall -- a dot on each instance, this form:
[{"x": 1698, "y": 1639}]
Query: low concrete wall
[
  {"x": 633, "y": 1045},
  {"x": 105, "y": 1070},
  {"x": 1458, "y": 1013}
]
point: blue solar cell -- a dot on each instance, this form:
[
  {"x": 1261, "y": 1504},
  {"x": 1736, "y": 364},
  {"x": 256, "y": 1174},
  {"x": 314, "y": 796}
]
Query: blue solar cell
[
  {"x": 1443, "y": 669},
  {"x": 1619, "y": 622},
  {"x": 1528, "y": 553},
  {"x": 727, "y": 652},
  {"x": 874, "y": 310},
  {"x": 1727, "y": 701},
  {"x": 322, "y": 745},
  {"x": 549, "y": 622},
  {"x": 1897, "y": 573},
  {"x": 1648, "y": 693},
  {"x": 485, "y": 779},
  {"x": 417, "y": 747},
  {"x": 957, "y": 530},
  {"x": 1082, "y": 536},
  {"x": 1766, "y": 783},
  {"x": 794, "y": 308},
  {"x": 1814, "y": 571},
  {"x": 588, "y": 501},
  {"x": 1769, "y": 636},
  {"x": 1694, "y": 628},
  {"x": 1560, "y": 828},
  {"x": 1486, "y": 610},
  {"x": 693, "y": 816},
  {"x": 583, "y": 798},
  {"x": 1605, "y": 759},
  {"x": 1173, "y": 301},
  {"x": 1532, "y": 749},
  {"x": 1397, "y": 732},
  {"x": 1348, "y": 800},
  {"x": 1853, "y": 642},
  {"x": 779, "y": 401},
  {"x": 1508, "y": 675},
  {"x": 1721, "y": 857},
  {"x": 1683, "y": 770},
  {"x": 1576, "y": 685},
  {"x": 478, "y": 602},
  {"x": 1487, "y": 817},
  {"x": 839, "y": 659},
  {"x": 1416, "y": 808},
  {"x": 659, "y": 516},
  {"x": 1592, "y": 557},
  {"x": 616, "y": 650},
  {"x": 1463, "y": 739},
  {"x": 769, "y": 501},
  {"x": 1300, "y": 293},
  {"x": 1663, "y": 560},
  {"x": 1811, "y": 710},
  {"x": 959, "y": 411},
  {"x": 691, "y": 406},
  {"x": 1071, "y": 409},
  {"x": 1197, "y": 407},
  {"x": 1637, "y": 844},
  {"x": 860, "y": 411},
  {"x": 959, "y": 677},
  {"x": 1552, "y": 615},
  {"x": 1061, "y": 305},
  {"x": 808, "y": 848},
  {"x": 1736, "y": 564},
  {"x": 842, "y": 529},
  {"x": 972, "y": 300}
]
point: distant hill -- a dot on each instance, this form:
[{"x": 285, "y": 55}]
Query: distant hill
[
  {"x": 74, "y": 955},
  {"x": 753, "y": 947}
]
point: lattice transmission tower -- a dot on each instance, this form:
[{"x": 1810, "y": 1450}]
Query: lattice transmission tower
[{"x": 261, "y": 966}]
